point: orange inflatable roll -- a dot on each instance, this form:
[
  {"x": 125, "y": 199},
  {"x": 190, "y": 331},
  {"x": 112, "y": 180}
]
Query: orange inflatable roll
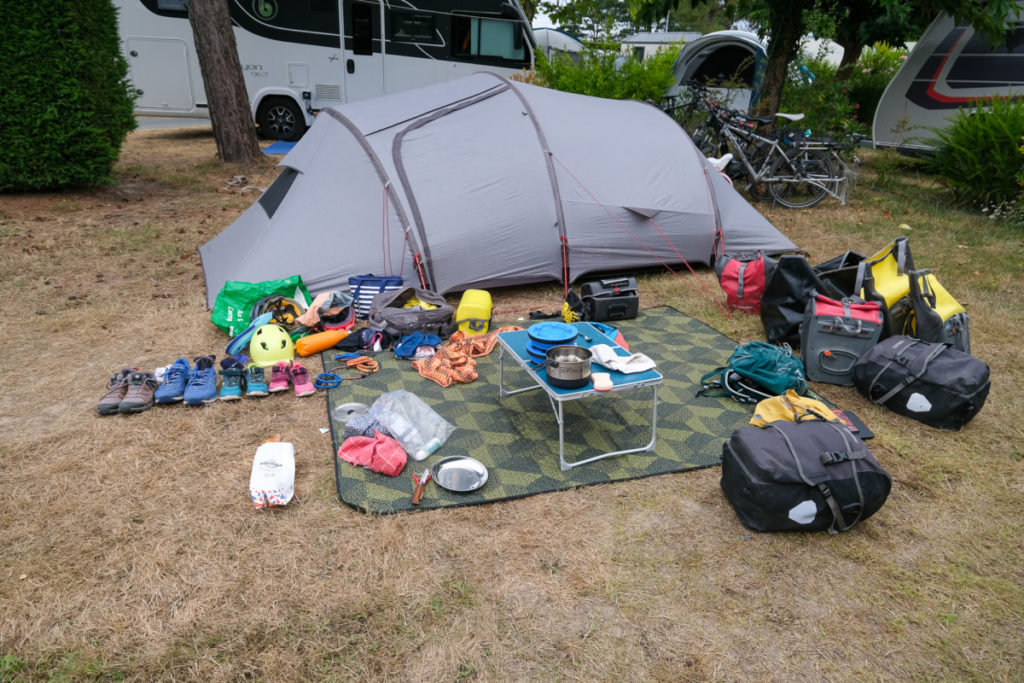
[{"x": 321, "y": 341}]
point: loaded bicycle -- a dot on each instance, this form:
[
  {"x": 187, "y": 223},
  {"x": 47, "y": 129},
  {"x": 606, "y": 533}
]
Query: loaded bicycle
[{"x": 786, "y": 166}]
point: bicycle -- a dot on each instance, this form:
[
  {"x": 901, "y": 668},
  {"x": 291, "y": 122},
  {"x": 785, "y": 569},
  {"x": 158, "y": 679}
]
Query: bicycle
[{"x": 787, "y": 166}]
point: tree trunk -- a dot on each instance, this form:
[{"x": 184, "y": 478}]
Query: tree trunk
[
  {"x": 233, "y": 126},
  {"x": 851, "y": 53},
  {"x": 786, "y": 25}
]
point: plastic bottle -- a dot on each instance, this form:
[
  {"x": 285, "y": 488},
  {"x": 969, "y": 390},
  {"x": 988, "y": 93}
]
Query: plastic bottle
[{"x": 427, "y": 449}]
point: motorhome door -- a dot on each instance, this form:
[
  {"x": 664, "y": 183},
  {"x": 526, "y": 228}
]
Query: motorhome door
[
  {"x": 159, "y": 69},
  {"x": 363, "y": 55}
]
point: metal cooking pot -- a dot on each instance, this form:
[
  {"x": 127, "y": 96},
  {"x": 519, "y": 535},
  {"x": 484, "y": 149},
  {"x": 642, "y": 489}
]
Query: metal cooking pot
[{"x": 568, "y": 366}]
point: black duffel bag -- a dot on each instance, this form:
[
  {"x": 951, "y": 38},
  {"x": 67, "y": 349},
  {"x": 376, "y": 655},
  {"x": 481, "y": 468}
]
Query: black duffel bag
[
  {"x": 791, "y": 285},
  {"x": 930, "y": 382},
  {"x": 801, "y": 476}
]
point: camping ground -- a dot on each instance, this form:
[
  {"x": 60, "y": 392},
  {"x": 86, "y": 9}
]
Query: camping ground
[{"x": 131, "y": 549}]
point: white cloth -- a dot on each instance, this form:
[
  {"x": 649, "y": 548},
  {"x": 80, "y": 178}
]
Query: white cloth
[{"x": 605, "y": 356}]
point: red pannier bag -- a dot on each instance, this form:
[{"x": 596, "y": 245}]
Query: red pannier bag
[{"x": 743, "y": 279}]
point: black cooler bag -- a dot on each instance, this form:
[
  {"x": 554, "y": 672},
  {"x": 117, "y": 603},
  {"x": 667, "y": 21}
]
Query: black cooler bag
[
  {"x": 930, "y": 382},
  {"x": 801, "y": 476}
]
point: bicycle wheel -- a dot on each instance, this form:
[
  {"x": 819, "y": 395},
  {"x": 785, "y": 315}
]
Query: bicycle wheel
[{"x": 807, "y": 173}]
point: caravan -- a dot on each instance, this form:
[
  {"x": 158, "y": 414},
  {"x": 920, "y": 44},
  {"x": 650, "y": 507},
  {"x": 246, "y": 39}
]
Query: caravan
[
  {"x": 299, "y": 57},
  {"x": 950, "y": 67}
]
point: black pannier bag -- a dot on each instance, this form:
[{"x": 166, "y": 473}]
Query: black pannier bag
[
  {"x": 927, "y": 381},
  {"x": 801, "y": 476},
  {"x": 792, "y": 284}
]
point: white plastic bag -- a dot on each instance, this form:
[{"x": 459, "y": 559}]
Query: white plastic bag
[
  {"x": 412, "y": 422},
  {"x": 273, "y": 474}
]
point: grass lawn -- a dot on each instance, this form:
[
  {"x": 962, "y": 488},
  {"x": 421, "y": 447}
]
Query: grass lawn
[{"x": 131, "y": 549}]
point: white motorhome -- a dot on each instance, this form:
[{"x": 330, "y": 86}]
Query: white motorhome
[
  {"x": 950, "y": 67},
  {"x": 299, "y": 56}
]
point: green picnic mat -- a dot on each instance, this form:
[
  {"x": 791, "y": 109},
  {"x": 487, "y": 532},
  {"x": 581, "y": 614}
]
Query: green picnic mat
[{"x": 516, "y": 438}]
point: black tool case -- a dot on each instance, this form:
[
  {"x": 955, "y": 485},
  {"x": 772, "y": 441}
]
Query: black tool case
[{"x": 610, "y": 299}]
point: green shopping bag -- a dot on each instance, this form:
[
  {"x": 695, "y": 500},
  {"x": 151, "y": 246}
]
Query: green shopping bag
[{"x": 231, "y": 310}]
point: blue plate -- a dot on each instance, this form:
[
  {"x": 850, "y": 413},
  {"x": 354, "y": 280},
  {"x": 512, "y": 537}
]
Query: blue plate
[{"x": 552, "y": 333}]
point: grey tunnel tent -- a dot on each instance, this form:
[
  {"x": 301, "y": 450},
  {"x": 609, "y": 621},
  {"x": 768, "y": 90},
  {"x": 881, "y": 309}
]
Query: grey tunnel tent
[{"x": 485, "y": 182}]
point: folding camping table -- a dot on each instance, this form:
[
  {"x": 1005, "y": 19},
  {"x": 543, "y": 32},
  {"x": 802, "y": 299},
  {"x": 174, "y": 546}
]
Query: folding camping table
[{"x": 515, "y": 344}]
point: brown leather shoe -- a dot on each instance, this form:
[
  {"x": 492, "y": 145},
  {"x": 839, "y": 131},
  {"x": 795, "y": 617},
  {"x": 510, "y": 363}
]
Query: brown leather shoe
[
  {"x": 116, "y": 390},
  {"x": 139, "y": 396}
]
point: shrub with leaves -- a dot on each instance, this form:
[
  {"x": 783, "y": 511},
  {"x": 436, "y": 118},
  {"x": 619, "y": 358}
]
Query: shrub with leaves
[
  {"x": 67, "y": 105},
  {"x": 872, "y": 73},
  {"x": 978, "y": 154},
  {"x": 825, "y": 103},
  {"x": 609, "y": 74}
]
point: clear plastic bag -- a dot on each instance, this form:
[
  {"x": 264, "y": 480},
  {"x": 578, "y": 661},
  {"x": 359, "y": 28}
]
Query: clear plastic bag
[{"x": 412, "y": 422}]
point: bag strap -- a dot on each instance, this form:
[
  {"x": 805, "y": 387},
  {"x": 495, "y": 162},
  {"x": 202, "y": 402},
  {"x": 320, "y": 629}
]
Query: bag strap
[
  {"x": 858, "y": 284},
  {"x": 912, "y": 376},
  {"x": 739, "y": 279},
  {"x": 838, "y": 520}
]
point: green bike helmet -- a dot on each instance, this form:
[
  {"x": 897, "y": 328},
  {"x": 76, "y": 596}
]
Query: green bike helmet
[{"x": 270, "y": 344}]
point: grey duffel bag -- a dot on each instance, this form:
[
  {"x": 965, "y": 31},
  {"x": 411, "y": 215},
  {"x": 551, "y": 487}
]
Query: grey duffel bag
[{"x": 388, "y": 313}]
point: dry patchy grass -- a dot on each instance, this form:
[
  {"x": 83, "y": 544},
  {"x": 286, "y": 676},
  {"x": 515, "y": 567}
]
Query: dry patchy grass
[{"x": 130, "y": 548}]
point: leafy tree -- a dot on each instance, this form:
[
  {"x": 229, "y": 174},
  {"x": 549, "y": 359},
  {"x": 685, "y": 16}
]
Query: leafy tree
[
  {"x": 67, "y": 105},
  {"x": 600, "y": 21},
  {"x": 233, "y": 127},
  {"x": 702, "y": 15}
]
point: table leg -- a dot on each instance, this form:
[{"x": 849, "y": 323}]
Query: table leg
[
  {"x": 648, "y": 447},
  {"x": 502, "y": 391}
]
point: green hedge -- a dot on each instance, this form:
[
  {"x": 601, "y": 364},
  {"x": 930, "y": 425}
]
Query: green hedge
[
  {"x": 67, "y": 105},
  {"x": 979, "y": 153}
]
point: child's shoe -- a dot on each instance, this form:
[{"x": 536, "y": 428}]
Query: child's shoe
[
  {"x": 279, "y": 377},
  {"x": 139, "y": 396},
  {"x": 202, "y": 383},
  {"x": 300, "y": 380},
  {"x": 117, "y": 387},
  {"x": 233, "y": 373},
  {"x": 175, "y": 381},
  {"x": 256, "y": 381}
]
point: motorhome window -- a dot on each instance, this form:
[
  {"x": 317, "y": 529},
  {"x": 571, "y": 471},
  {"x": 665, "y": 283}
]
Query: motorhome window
[
  {"x": 362, "y": 29},
  {"x": 172, "y": 5},
  {"x": 487, "y": 39},
  {"x": 417, "y": 28}
]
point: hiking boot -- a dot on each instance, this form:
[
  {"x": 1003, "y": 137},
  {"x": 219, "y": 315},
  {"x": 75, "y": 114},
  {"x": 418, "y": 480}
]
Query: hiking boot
[
  {"x": 279, "y": 377},
  {"x": 175, "y": 380},
  {"x": 300, "y": 380},
  {"x": 233, "y": 373},
  {"x": 117, "y": 387},
  {"x": 202, "y": 383},
  {"x": 139, "y": 396},
  {"x": 255, "y": 381}
]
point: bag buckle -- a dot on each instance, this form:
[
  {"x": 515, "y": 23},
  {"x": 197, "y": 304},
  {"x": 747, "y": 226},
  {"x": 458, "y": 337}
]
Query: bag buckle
[{"x": 834, "y": 457}]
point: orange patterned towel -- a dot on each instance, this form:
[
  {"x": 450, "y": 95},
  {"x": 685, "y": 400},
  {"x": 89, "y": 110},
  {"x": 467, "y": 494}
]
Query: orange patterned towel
[{"x": 454, "y": 362}]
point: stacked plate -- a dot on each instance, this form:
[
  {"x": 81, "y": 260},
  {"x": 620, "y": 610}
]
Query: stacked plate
[{"x": 545, "y": 335}]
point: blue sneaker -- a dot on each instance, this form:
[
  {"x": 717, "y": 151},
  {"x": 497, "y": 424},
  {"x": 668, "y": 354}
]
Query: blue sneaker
[
  {"x": 255, "y": 381},
  {"x": 233, "y": 374},
  {"x": 175, "y": 380},
  {"x": 202, "y": 383}
]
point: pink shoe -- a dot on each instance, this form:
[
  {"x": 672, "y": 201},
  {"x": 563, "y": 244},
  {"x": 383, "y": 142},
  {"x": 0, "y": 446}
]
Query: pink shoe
[
  {"x": 279, "y": 377},
  {"x": 300, "y": 380}
]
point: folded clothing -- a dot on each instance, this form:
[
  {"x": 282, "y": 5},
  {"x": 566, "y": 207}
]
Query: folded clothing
[{"x": 606, "y": 356}]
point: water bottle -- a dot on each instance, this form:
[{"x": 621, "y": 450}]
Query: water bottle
[{"x": 427, "y": 449}]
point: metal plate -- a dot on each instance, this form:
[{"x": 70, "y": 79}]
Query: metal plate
[{"x": 459, "y": 473}]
